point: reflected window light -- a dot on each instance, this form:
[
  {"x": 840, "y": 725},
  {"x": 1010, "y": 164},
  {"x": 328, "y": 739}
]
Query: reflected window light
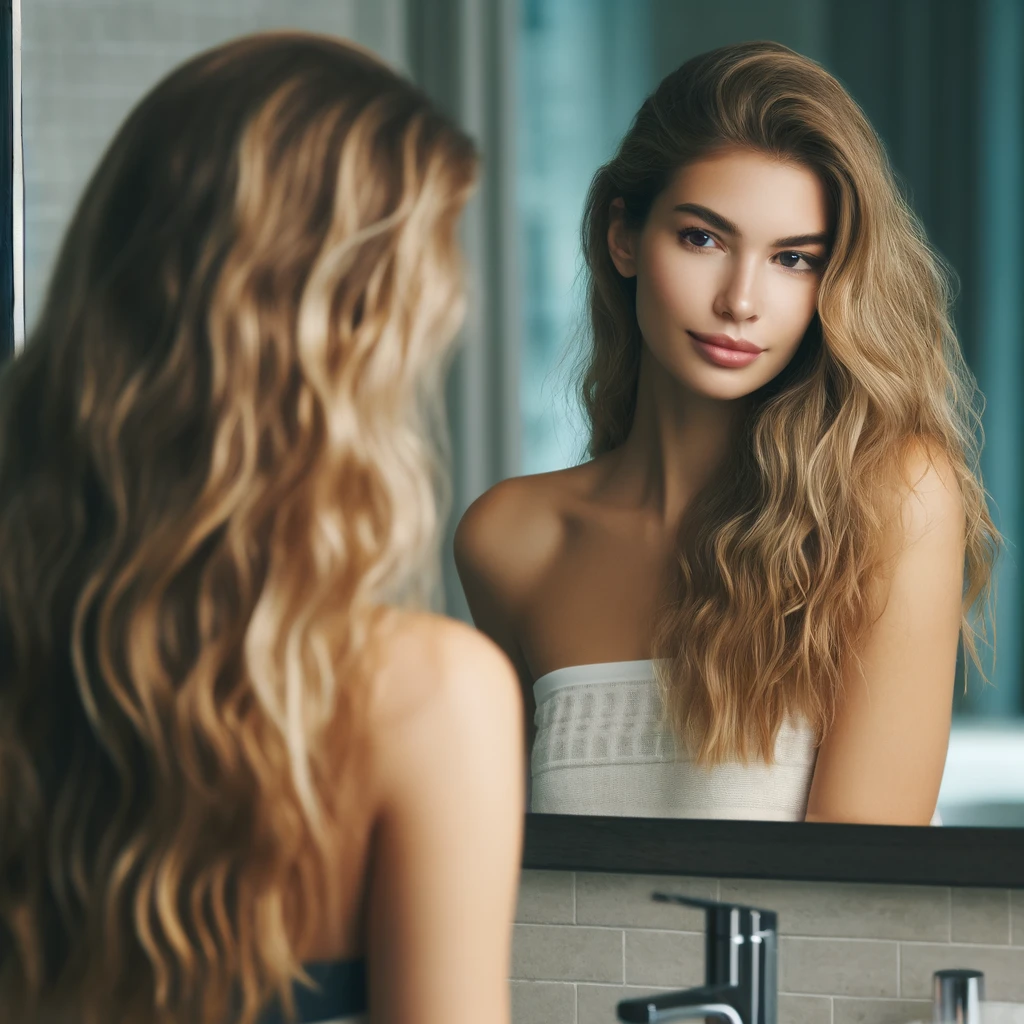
[{"x": 574, "y": 103}]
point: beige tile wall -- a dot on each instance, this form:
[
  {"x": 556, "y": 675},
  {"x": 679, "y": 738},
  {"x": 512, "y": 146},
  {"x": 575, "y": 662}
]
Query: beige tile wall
[{"x": 848, "y": 953}]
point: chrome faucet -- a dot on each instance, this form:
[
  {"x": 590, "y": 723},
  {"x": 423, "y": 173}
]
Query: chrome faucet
[{"x": 740, "y": 970}]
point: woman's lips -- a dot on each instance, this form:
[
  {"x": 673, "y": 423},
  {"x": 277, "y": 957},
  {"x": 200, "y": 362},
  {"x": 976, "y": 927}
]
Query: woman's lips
[{"x": 722, "y": 350}]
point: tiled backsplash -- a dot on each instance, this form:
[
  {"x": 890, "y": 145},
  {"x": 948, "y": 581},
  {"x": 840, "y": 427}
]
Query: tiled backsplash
[{"x": 849, "y": 953}]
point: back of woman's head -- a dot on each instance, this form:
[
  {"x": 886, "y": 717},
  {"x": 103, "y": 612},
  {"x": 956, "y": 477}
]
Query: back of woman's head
[
  {"x": 215, "y": 465},
  {"x": 796, "y": 520}
]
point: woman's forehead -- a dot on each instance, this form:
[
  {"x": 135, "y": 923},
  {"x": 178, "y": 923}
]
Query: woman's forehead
[{"x": 753, "y": 193}]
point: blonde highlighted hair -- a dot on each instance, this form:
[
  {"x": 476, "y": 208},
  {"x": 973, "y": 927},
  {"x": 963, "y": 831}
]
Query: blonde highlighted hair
[
  {"x": 775, "y": 555},
  {"x": 220, "y": 457}
]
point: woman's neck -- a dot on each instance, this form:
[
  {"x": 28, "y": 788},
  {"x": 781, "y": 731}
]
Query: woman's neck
[{"x": 676, "y": 443}]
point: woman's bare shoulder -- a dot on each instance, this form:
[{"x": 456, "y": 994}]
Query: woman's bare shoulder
[
  {"x": 931, "y": 501},
  {"x": 424, "y": 657},
  {"x": 515, "y": 509},
  {"x": 441, "y": 689},
  {"x": 514, "y": 530}
]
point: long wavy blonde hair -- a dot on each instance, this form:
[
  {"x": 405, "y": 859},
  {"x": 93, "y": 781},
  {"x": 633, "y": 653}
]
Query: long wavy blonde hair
[
  {"x": 220, "y": 457},
  {"x": 775, "y": 554}
]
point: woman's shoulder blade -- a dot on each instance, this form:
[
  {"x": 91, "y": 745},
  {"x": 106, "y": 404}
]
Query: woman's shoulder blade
[
  {"x": 443, "y": 688},
  {"x": 425, "y": 656}
]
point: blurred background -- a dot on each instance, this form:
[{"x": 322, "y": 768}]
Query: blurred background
[{"x": 548, "y": 87}]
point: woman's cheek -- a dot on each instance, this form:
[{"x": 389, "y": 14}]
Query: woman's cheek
[
  {"x": 793, "y": 307},
  {"x": 677, "y": 286}
]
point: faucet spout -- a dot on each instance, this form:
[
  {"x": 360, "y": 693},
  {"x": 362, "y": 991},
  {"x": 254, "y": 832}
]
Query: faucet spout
[
  {"x": 740, "y": 970},
  {"x": 688, "y": 1004}
]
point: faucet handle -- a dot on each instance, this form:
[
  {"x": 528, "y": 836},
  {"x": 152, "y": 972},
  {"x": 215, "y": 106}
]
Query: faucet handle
[{"x": 714, "y": 909}]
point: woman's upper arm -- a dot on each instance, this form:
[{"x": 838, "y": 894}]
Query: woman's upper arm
[
  {"x": 494, "y": 560},
  {"x": 502, "y": 545},
  {"x": 883, "y": 759},
  {"x": 447, "y": 846}
]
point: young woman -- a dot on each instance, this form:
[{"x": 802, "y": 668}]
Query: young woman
[
  {"x": 747, "y": 602},
  {"x": 230, "y": 744}
]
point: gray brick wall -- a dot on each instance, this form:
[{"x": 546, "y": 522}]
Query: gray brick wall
[
  {"x": 86, "y": 62},
  {"x": 848, "y": 953}
]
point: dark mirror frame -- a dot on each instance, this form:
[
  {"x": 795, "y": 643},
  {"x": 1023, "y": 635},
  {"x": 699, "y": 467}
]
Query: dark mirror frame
[{"x": 795, "y": 851}]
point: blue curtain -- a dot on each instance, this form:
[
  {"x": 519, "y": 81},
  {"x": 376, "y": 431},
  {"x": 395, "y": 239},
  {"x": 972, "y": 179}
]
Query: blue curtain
[{"x": 1000, "y": 332}]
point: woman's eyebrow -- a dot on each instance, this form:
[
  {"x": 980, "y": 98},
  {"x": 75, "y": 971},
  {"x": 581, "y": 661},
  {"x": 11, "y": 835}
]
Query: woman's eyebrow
[
  {"x": 819, "y": 238},
  {"x": 726, "y": 226}
]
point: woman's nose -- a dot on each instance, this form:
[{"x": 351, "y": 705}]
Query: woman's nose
[{"x": 737, "y": 298}]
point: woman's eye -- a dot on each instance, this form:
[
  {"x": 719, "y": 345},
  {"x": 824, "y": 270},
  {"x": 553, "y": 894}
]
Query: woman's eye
[
  {"x": 791, "y": 261},
  {"x": 697, "y": 238}
]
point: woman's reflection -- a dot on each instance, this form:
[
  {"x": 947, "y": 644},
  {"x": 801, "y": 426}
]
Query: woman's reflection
[{"x": 782, "y": 504}]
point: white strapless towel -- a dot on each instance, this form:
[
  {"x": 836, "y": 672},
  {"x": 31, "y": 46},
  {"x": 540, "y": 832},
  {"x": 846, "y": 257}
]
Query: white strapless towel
[{"x": 602, "y": 749}]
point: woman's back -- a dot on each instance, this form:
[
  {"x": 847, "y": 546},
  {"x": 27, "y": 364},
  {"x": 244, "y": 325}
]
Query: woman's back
[
  {"x": 223, "y": 751},
  {"x": 443, "y": 763}
]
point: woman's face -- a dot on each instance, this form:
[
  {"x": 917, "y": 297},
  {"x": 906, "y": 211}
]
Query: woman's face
[{"x": 732, "y": 250}]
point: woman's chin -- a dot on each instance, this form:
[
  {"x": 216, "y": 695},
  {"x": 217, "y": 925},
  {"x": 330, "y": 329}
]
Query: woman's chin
[{"x": 706, "y": 386}]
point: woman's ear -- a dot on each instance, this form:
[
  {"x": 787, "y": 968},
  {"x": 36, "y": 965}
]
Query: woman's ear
[{"x": 621, "y": 240}]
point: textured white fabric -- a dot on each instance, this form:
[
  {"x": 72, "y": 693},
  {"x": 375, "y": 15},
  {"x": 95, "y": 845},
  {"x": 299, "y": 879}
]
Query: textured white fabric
[{"x": 601, "y": 749}]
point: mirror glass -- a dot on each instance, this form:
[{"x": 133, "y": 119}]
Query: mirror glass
[{"x": 942, "y": 84}]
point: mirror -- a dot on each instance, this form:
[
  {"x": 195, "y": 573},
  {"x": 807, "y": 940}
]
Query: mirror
[{"x": 942, "y": 84}]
